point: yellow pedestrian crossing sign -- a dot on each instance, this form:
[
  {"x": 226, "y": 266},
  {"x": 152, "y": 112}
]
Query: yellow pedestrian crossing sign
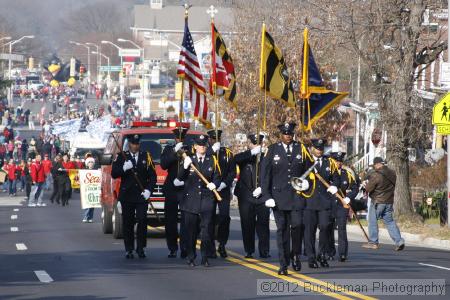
[{"x": 441, "y": 115}]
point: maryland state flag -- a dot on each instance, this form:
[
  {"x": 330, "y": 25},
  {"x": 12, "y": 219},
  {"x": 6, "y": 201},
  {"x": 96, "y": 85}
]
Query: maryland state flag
[
  {"x": 223, "y": 75},
  {"x": 318, "y": 99},
  {"x": 273, "y": 74}
]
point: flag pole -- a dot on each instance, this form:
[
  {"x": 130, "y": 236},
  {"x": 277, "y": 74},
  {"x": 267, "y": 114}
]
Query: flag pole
[
  {"x": 304, "y": 89},
  {"x": 181, "y": 113},
  {"x": 258, "y": 130},
  {"x": 212, "y": 11}
]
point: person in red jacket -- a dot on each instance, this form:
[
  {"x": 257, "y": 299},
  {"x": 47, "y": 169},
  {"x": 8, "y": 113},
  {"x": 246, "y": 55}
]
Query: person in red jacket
[
  {"x": 38, "y": 178},
  {"x": 11, "y": 169},
  {"x": 47, "y": 164}
]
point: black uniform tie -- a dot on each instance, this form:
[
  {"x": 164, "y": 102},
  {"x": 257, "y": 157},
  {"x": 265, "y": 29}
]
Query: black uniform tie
[{"x": 288, "y": 151}]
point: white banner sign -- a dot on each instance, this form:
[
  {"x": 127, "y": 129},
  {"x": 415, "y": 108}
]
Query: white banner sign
[{"x": 90, "y": 188}]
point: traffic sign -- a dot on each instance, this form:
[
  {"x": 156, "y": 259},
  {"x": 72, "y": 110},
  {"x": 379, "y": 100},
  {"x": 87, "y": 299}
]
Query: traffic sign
[
  {"x": 130, "y": 52},
  {"x": 111, "y": 68},
  {"x": 441, "y": 111},
  {"x": 443, "y": 129}
]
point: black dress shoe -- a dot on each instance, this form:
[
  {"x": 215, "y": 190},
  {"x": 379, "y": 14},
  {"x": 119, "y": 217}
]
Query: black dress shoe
[
  {"x": 191, "y": 263},
  {"x": 129, "y": 255},
  {"x": 313, "y": 264},
  {"x": 205, "y": 262},
  {"x": 141, "y": 254},
  {"x": 249, "y": 255},
  {"x": 342, "y": 258},
  {"x": 172, "y": 254},
  {"x": 323, "y": 262},
  {"x": 296, "y": 264},
  {"x": 283, "y": 271},
  {"x": 183, "y": 254},
  {"x": 222, "y": 251},
  {"x": 264, "y": 255}
]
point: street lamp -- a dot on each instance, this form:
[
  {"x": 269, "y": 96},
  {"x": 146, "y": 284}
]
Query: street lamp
[
  {"x": 97, "y": 47},
  {"x": 88, "y": 57},
  {"x": 134, "y": 44},
  {"x": 9, "y": 63},
  {"x": 118, "y": 48},
  {"x": 107, "y": 59}
]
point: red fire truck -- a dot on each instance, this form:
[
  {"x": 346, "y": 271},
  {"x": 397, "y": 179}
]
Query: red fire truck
[{"x": 155, "y": 135}]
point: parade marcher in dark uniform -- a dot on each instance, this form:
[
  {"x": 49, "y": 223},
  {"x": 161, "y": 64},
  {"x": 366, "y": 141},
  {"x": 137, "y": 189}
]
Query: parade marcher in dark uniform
[
  {"x": 283, "y": 161},
  {"x": 56, "y": 178},
  {"x": 171, "y": 161},
  {"x": 318, "y": 206},
  {"x": 254, "y": 214},
  {"x": 227, "y": 172},
  {"x": 198, "y": 201},
  {"x": 348, "y": 187},
  {"x": 133, "y": 200}
]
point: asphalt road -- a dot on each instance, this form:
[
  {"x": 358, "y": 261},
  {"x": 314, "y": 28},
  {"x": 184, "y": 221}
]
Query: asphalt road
[{"x": 48, "y": 253}]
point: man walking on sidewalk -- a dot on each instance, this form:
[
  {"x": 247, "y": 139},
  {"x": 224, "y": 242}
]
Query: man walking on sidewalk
[
  {"x": 38, "y": 177},
  {"x": 381, "y": 187}
]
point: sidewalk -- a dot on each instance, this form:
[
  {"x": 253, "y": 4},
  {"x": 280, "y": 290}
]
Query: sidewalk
[{"x": 355, "y": 234}]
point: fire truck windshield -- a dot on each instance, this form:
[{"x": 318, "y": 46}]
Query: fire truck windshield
[{"x": 156, "y": 142}]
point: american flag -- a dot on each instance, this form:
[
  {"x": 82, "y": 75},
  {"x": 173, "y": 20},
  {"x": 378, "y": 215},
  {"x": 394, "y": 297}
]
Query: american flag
[{"x": 189, "y": 69}]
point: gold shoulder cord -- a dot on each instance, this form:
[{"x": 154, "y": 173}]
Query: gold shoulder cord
[
  {"x": 216, "y": 164},
  {"x": 150, "y": 161},
  {"x": 333, "y": 166},
  {"x": 312, "y": 177}
]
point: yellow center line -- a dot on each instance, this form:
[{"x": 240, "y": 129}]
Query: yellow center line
[
  {"x": 300, "y": 276},
  {"x": 253, "y": 264}
]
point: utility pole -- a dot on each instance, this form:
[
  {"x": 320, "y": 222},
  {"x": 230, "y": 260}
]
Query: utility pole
[
  {"x": 448, "y": 136},
  {"x": 358, "y": 121}
]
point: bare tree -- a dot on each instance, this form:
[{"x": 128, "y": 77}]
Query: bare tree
[
  {"x": 284, "y": 24},
  {"x": 390, "y": 38}
]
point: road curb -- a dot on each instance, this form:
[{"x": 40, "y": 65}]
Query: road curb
[{"x": 416, "y": 240}]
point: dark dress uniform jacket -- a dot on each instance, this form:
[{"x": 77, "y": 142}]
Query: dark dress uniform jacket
[
  {"x": 277, "y": 172},
  {"x": 320, "y": 198},
  {"x": 129, "y": 188},
  {"x": 171, "y": 163},
  {"x": 246, "y": 183},
  {"x": 197, "y": 197},
  {"x": 348, "y": 185},
  {"x": 226, "y": 170}
]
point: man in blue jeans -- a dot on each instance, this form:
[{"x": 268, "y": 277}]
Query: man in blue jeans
[{"x": 381, "y": 187}]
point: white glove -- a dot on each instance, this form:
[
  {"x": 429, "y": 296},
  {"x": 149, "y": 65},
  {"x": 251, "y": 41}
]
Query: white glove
[
  {"x": 177, "y": 182},
  {"x": 346, "y": 200},
  {"x": 257, "y": 192},
  {"x": 222, "y": 186},
  {"x": 332, "y": 190},
  {"x": 146, "y": 194},
  {"x": 216, "y": 147},
  {"x": 305, "y": 185},
  {"x": 270, "y": 203},
  {"x": 211, "y": 186},
  {"x": 256, "y": 150},
  {"x": 187, "y": 162},
  {"x": 128, "y": 165},
  {"x": 178, "y": 146}
]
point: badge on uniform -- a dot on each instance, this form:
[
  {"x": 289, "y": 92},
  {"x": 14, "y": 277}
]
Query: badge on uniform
[
  {"x": 345, "y": 182},
  {"x": 209, "y": 169},
  {"x": 276, "y": 157},
  {"x": 298, "y": 156},
  {"x": 143, "y": 161},
  {"x": 328, "y": 169}
]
